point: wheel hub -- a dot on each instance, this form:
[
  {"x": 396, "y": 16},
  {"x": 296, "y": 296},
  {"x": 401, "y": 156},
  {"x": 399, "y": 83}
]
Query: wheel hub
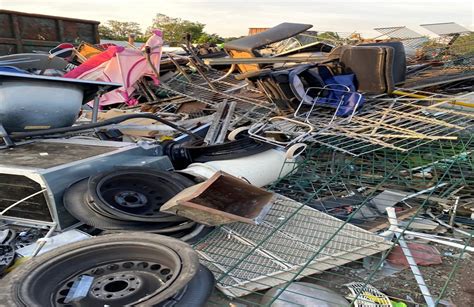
[
  {"x": 130, "y": 199},
  {"x": 114, "y": 286},
  {"x": 119, "y": 282},
  {"x": 135, "y": 195}
]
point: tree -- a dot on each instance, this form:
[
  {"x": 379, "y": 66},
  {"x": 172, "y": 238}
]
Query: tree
[
  {"x": 120, "y": 30},
  {"x": 232, "y": 38},
  {"x": 210, "y": 39},
  {"x": 328, "y": 35},
  {"x": 175, "y": 29}
]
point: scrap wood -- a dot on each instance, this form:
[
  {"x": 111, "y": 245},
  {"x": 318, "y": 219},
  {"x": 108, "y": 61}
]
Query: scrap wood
[{"x": 381, "y": 223}]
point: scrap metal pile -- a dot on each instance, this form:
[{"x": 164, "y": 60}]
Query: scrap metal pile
[{"x": 289, "y": 170}]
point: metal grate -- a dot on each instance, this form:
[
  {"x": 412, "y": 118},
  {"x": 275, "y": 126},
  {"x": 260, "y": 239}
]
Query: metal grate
[
  {"x": 446, "y": 28},
  {"x": 251, "y": 104},
  {"x": 324, "y": 253},
  {"x": 403, "y": 123},
  {"x": 246, "y": 258},
  {"x": 408, "y": 37}
]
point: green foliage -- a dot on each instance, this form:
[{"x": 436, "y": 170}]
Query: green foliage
[
  {"x": 232, "y": 38},
  {"x": 120, "y": 30},
  {"x": 176, "y": 29},
  {"x": 464, "y": 44},
  {"x": 209, "y": 38},
  {"x": 328, "y": 35}
]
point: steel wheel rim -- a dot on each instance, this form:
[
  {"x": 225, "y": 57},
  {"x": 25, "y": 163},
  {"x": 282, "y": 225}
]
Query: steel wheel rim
[
  {"x": 135, "y": 195},
  {"x": 116, "y": 282},
  {"x": 50, "y": 282}
]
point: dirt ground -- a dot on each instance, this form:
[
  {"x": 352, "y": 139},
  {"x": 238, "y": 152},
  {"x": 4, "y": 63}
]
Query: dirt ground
[{"x": 400, "y": 286}]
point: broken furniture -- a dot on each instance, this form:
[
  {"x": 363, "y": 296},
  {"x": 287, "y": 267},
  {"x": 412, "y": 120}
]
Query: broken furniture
[
  {"x": 247, "y": 47},
  {"x": 310, "y": 85},
  {"x": 372, "y": 67},
  {"x": 221, "y": 199},
  {"x": 399, "y": 59},
  {"x": 384, "y": 122}
]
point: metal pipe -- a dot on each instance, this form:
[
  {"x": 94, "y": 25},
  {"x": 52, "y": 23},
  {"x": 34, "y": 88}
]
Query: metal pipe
[
  {"x": 95, "y": 109},
  {"x": 392, "y": 218},
  {"x": 179, "y": 68},
  {"x": 203, "y": 75},
  {"x": 107, "y": 122},
  {"x": 41, "y": 242},
  {"x": 423, "y": 97},
  {"x": 193, "y": 234}
]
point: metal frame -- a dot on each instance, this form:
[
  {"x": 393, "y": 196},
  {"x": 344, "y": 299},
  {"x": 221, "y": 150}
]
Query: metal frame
[{"x": 401, "y": 123}]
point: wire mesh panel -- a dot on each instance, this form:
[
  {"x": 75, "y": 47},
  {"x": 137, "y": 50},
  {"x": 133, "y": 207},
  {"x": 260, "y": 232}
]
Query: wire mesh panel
[
  {"x": 312, "y": 250},
  {"x": 453, "y": 46},
  {"x": 445, "y": 28},
  {"x": 246, "y": 258},
  {"x": 250, "y": 103},
  {"x": 419, "y": 168},
  {"x": 408, "y": 37},
  {"x": 402, "y": 123}
]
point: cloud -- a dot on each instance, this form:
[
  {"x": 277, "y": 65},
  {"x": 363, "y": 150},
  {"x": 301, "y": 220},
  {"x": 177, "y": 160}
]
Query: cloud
[{"x": 231, "y": 18}]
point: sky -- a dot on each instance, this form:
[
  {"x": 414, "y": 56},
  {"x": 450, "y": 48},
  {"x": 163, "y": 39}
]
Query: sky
[{"x": 233, "y": 18}]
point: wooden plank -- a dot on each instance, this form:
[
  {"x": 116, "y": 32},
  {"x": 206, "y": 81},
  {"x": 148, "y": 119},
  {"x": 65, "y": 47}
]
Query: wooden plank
[{"x": 381, "y": 223}]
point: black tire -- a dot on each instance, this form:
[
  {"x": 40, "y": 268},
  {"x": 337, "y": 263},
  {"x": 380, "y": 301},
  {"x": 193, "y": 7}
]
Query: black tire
[
  {"x": 41, "y": 281},
  {"x": 148, "y": 189},
  {"x": 242, "y": 147},
  {"x": 196, "y": 293},
  {"x": 154, "y": 187},
  {"x": 76, "y": 203},
  {"x": 181, "y": 155}
]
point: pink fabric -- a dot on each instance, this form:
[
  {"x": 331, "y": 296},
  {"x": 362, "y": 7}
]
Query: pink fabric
[
  {"x": 94, "y": 62},
  {"x": 121, "y": 65}
]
